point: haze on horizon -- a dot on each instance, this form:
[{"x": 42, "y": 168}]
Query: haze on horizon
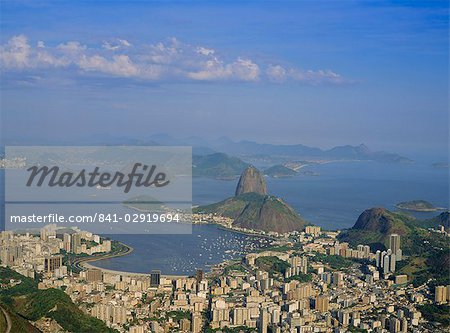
[{"x": 317, "y": 73}]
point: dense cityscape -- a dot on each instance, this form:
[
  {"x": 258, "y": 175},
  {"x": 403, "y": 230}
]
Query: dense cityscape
[{"x": 307, "y": 282}]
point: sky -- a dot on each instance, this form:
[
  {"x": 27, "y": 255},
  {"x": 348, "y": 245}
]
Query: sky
[{"x": 319, "y": 73}]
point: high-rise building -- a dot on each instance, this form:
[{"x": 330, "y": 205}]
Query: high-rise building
[
  {"x": 263, "y": 321},
  {"x": 67, "y": 240},
  {"x": 338, "y": 279},
  {"x": 394, "y": 246},
  {"x": 185, "y": 325},
  {"x": 200, "y": 275},
  {"x": 196, "y": 323},
  {"x": 440, "y": 294},
  {"x": 52, "y": 263},
  {"x": 155, "y": 278},
  {"x": 76, "y": 243},
  {"x": 321, "y": 303},
  {"x": 394, "y": 325},
  {"x": 94, "y": 275},
  {"x": 240, "y": 315}
]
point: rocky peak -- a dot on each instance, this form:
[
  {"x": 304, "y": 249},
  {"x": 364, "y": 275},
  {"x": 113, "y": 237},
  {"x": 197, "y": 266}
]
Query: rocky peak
[{"x": 251, "y": 180}]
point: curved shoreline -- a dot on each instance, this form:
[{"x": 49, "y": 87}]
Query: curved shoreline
[{"x": 85, "y": 263}]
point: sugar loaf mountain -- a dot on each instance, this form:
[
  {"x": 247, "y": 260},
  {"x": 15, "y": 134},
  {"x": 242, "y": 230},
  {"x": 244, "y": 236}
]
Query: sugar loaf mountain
[{"x": 253, "y": 208}]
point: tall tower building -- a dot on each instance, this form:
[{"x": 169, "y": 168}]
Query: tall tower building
[
  {"x": 196, "y": 323},
  {"x": 394, "y": 245},
  {"x": 263, "y": 321},
  {"x": 155, "y": 278},
  {"x": 440, "y": 294},
  {"x": 322, "y": 303}
]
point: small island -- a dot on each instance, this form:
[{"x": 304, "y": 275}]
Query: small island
[{"x": 417, "y": 206}]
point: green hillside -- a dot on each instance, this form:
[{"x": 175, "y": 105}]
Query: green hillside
[
  {"x": 256, "y": 211},
  {"x": 27, "y": 301},
  {"x": 427, "y": 252}
]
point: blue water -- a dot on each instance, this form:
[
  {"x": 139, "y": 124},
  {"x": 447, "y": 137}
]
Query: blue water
[
  {"x": 333, "y": 199},
  {"x": 182, "y": 254}
]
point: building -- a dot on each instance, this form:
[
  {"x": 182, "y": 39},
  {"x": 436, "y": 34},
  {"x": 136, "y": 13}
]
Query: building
[
  {"x": 263, "y": 321},
  {"x": 76, "y": 243},
  {"x": 312, "y": 230},
  {"x": 200, "y": 275},
  {"x": 394, "y": 246},
  {"x": 440, "y": 294},
  {"x": 196, "y": 323},
  {"x": 401, "y": 279},
  {"x": 94, "y": 275},
  {"x": 321, "y": 303},
  {"x": 52, "y": 263},
  {"x": 155, "y": 278}
]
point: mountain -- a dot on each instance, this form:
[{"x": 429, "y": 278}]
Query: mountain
[
  {"x": 442, "y": 219},
  {"x": 374, "y": 226},
  {"x": 279, "y": 171},
  {"x": 251, "y": 180},
  {"x": 26, "y": 301},
  {"x": 286, "y": 152},
  {"x": 256, "y": 211},
  {"x": 217, "y": 165},
  {"x": 252, "y": 208},
  {"x": 383, "y": 221}
]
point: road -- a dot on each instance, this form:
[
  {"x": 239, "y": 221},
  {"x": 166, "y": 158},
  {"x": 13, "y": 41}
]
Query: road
[{"x": 8, "y": 320}]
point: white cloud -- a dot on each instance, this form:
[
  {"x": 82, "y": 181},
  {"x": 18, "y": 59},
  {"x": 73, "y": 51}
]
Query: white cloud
[
  {"x": 214, "y": 69},
  {"x": 116, "y": 44},
  {"x": 16, "y": 53},
  {"x": 170, "y": 60},
  {"x": 276, "y": 73},
  {"x": 280, "y": 74},
  {"x": 120, "y": 65}
]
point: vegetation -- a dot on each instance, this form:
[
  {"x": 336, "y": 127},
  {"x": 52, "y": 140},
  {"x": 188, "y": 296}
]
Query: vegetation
[
  {"x": 436, "y": 313},
  {"x": 256, "y": 211},
  {"x": 273, "y": 265},
  {"x": 234, "y": 267},
  {"x": 300, "y": 278},
  {"x": 178, "y": 315},
  {"x": 334, "y": 262},
  {"x": 25, "y": 300}
]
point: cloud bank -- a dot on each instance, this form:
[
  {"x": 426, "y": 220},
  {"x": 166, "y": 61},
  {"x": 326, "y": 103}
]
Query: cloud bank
[{"x": 170, "y": 60}]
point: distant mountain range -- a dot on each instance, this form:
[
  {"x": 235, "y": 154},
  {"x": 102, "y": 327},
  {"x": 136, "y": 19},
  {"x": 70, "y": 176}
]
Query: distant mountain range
[
  {"x": 282, "y": 152},
  {"x": 250, "y": 148}
]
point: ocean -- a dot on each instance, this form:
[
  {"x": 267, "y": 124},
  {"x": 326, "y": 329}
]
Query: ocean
[{"x": 332, "y": 199}]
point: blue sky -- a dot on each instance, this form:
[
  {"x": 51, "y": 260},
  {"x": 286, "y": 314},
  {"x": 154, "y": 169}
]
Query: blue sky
[{"x": 318, "y": 73}]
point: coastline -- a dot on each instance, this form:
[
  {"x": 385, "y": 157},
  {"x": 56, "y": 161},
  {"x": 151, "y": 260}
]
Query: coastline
[{"x": 85, "y": 263}]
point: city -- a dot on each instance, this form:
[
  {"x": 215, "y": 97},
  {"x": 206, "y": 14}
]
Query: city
[{"x": 309, "y": 282}]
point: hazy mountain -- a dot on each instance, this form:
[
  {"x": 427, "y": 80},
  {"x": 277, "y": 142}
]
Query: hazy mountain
[{"x": 217, "y": 165}]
